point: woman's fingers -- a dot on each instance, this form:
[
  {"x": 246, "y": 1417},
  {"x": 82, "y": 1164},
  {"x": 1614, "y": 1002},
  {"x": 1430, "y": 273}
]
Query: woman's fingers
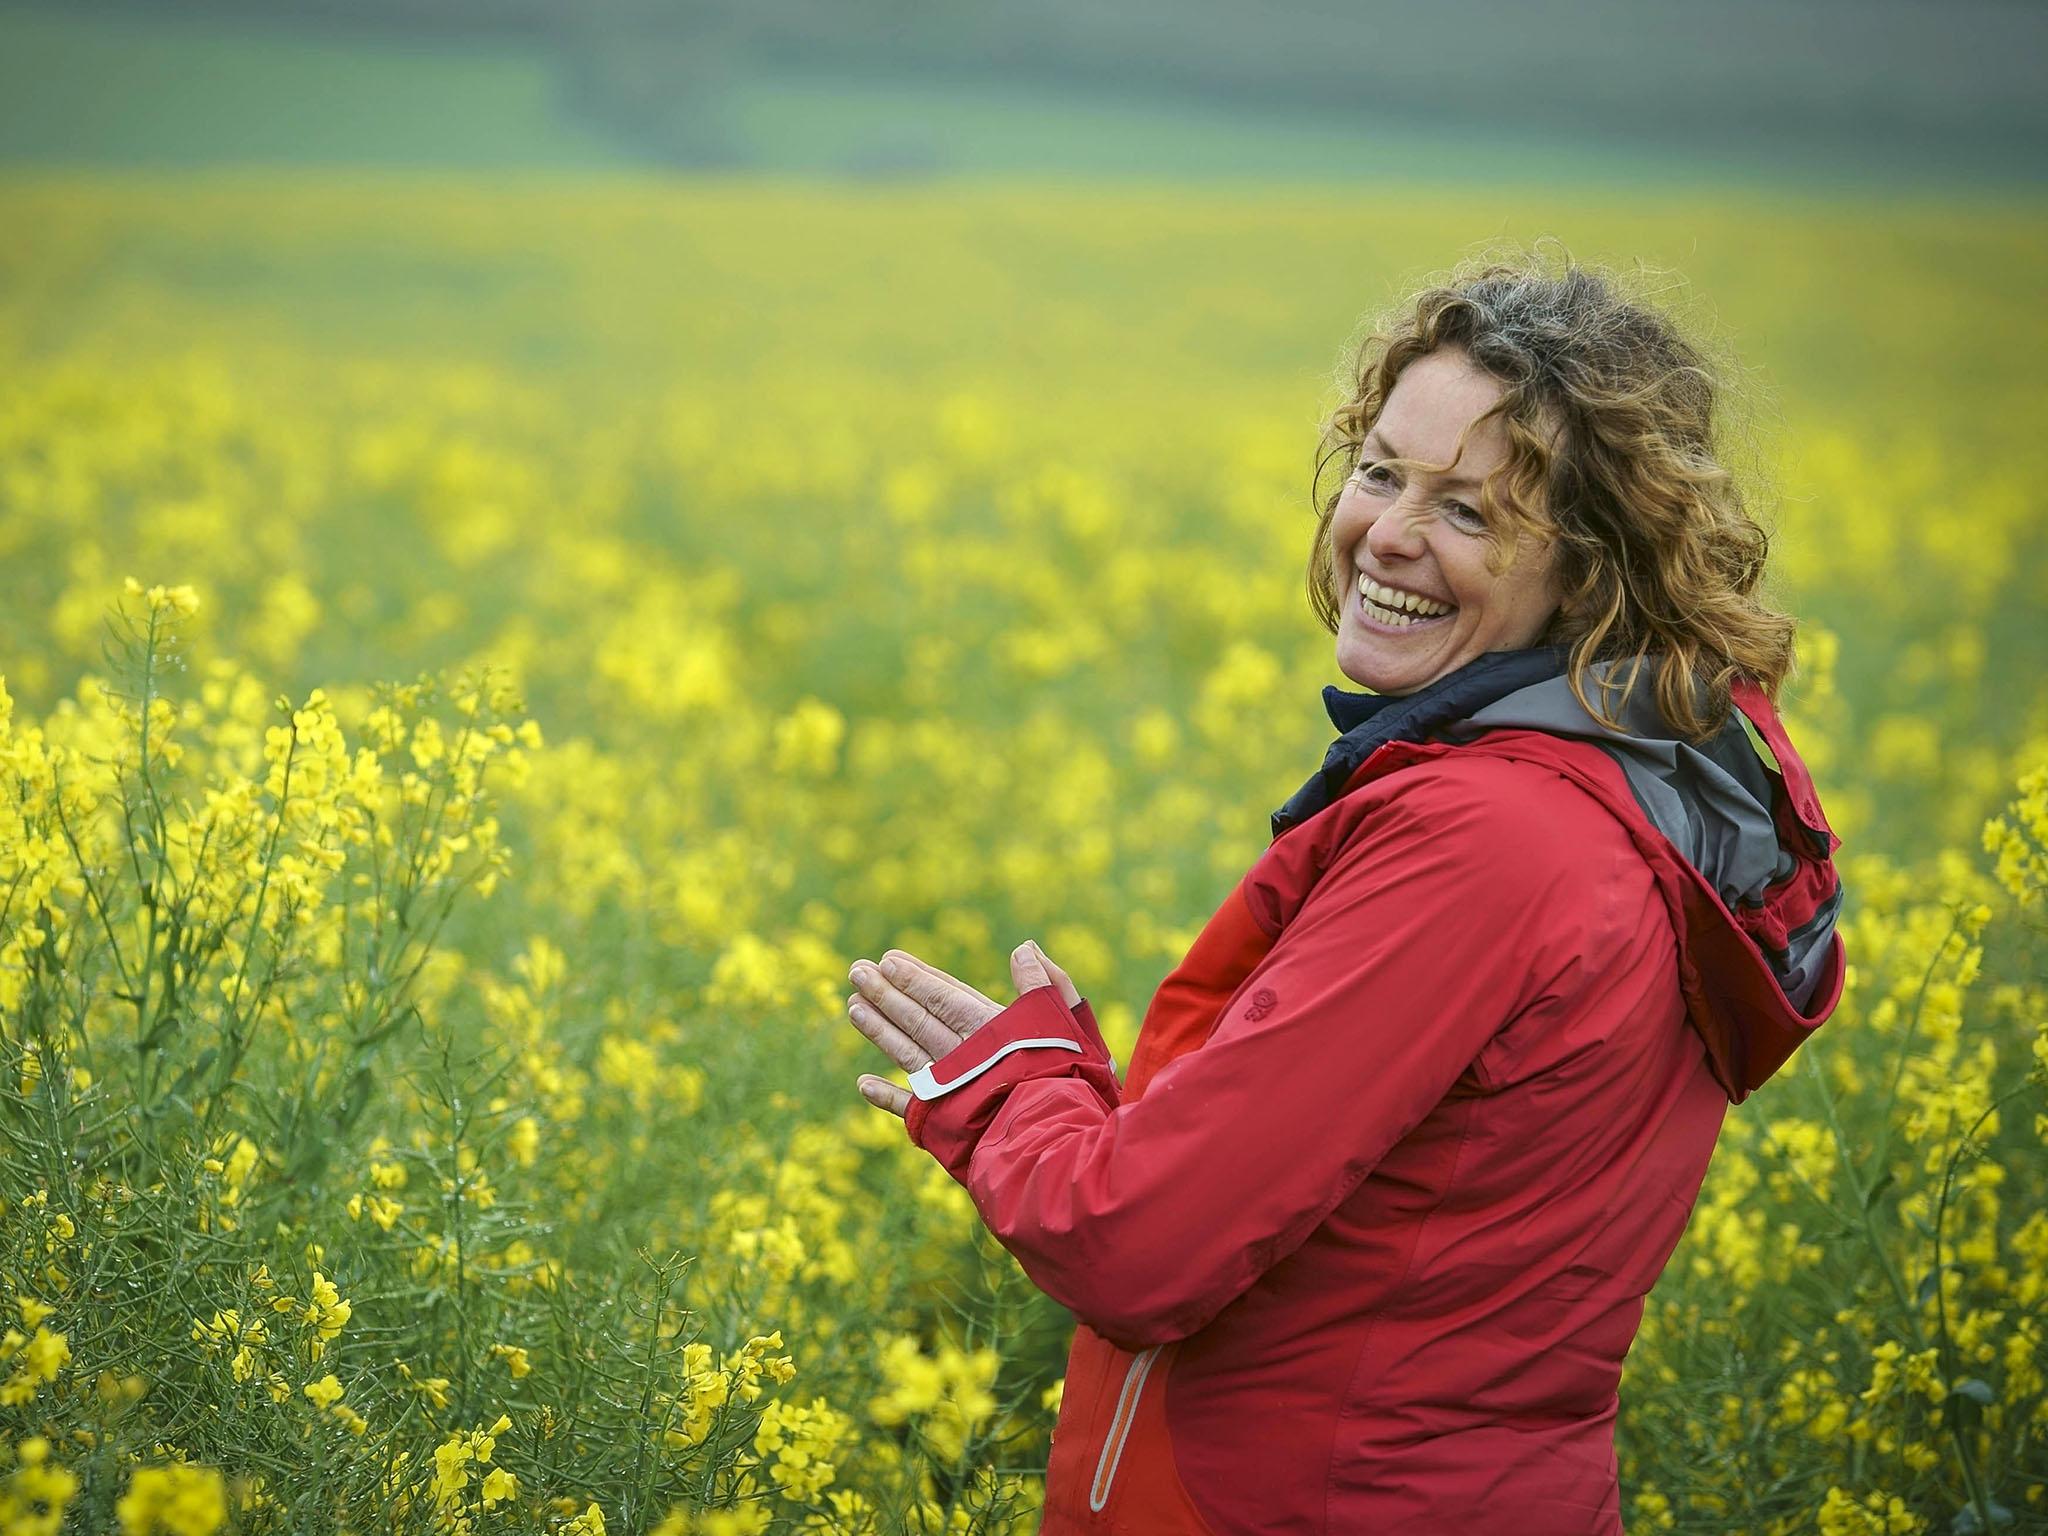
[
  {"x": 885, "y": 1095},
  {"x": 891, "y": 1041},
  {"x": 975, "y": 994},
  {"x": 951, "y": 1001},
  {"x": 915, "y": 1013},
  {"x": 1031, "y": 967},
  {"x": 931, "y": 1033}
]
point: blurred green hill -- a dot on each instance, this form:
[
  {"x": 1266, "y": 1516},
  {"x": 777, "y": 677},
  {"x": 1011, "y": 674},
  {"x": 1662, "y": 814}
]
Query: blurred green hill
[{"x": 1818, "y": 90}]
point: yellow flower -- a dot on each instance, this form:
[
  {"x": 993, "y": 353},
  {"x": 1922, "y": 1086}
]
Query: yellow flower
[
  {"x": 514, "y": 1357},
  {"x": 523, "y": 1141},
  {"x": 1654, "y": 1509},
  {"x": 42, "y": 1356},
  {"x": 178, "y": 602},
  {"x": 802, "y": 1440},
  {"x": 176, "y": 1500},
  {"x": 749, "y": 1519},
  {"x": 433, "y": 1388},
  {"x": 381, "y": 1209},
  {"x": 325, "y": 1392},
  {"x": 1878, "y": 1514},
  {"x": 327, "y": 1312},
  {"x": 34, "y": 1497},
  {"x": 451, "y": 1467},
  {"x": 463, "y": 1449}
]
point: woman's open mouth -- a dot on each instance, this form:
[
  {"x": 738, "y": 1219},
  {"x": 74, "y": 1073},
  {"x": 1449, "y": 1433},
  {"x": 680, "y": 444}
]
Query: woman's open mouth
[{"x": 1389, "y": 608}]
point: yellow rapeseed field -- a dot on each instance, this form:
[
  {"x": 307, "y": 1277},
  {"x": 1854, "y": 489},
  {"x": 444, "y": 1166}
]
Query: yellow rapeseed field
[{"x": 480, "y": 661}]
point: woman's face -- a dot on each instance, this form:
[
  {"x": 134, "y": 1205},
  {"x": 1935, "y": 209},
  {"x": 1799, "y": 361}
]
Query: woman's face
[{"x": 1408, "y": 553}]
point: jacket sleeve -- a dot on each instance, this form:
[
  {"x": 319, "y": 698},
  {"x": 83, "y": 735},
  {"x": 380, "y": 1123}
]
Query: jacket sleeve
[
  {"x": 1445, "y": 914},
  {"x": 1036, "y": 1040}
]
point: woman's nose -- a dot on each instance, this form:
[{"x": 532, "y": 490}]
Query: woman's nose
[{"x": 1396, "y": 532}]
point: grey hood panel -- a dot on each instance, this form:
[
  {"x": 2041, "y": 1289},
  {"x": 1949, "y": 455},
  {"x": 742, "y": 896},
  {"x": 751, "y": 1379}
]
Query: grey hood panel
[{"x": 1712, "y": 802}]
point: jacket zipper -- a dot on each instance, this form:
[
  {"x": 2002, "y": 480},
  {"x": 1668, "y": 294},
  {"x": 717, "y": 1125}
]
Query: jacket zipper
[{"x": 1120, "y": 1426}]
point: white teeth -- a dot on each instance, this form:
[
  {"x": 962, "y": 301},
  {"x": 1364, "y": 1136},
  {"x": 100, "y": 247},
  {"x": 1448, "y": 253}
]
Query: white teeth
[{"x": 1396, "y": 607}]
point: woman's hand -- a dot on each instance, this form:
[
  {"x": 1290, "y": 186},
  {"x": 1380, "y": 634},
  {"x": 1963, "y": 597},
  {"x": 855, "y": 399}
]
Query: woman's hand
[{"x": 915, "y": 1013}]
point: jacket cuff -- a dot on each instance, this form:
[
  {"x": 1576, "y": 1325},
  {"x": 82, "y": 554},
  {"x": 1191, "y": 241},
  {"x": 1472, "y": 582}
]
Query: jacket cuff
[{"x": 956, "y": 1099}]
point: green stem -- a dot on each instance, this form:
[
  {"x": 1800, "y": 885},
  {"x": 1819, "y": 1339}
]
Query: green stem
[
  {"x": 1857, "y": 1192},
  {"x": 1884, "y": 1123},
  {"x": 1949, "y": 1363}
]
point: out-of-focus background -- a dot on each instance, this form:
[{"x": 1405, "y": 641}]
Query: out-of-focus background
[
  {"x": 1833, "y": 91},
  {"x": 1880, "y": 94},
  {"x": 533, "y": 534}
]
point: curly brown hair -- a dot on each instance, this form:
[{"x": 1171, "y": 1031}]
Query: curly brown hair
[{"x": 1611, "y": 419}]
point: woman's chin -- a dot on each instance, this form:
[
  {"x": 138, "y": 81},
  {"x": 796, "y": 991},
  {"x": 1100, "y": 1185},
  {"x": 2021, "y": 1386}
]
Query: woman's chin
[{"x": 1370, "y": 666}]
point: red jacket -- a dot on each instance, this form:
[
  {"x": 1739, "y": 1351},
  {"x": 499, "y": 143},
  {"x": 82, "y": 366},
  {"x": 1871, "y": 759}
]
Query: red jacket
[{"x": 1361, "y": 1240}]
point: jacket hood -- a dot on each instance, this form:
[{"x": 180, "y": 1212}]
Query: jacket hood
[
  {"x": 1715, "y": 804},
  {"x": 1742, "y": 851},
  {"x": 1752, "y": 833}
]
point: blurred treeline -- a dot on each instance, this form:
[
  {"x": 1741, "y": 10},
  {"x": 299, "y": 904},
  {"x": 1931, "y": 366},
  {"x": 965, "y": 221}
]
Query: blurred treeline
[{"x": 1905, "y": 87}]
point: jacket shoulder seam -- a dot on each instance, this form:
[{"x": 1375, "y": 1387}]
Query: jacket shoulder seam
[{"x": 1429, "y": 774}]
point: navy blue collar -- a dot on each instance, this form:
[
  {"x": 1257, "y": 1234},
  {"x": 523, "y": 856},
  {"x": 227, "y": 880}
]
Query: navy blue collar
[{"x": 1368, "y": 721}]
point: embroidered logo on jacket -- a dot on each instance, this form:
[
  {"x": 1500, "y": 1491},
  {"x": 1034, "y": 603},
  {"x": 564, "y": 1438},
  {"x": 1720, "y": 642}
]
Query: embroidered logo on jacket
[{"x": 1261, "y": 1004}]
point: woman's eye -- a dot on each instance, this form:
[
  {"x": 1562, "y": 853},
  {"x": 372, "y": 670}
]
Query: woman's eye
[{"x": 1466, "y": 517}]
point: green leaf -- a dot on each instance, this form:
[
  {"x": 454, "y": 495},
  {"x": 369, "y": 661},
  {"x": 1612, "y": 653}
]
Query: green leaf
[
  {"x": 166, "y": 1025},
  {"x": 191, "y": 1074},
  {"x": 1961, "y": 1413},
  {"x": 1966, "y": 1523},
  {"x": 1924, "y": 1293},
  {"x": 409, "y": 1014},
  {"x": 356, "y": 1097}
]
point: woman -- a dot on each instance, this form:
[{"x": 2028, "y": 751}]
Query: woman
[{"x": 1359, "y": 1241}]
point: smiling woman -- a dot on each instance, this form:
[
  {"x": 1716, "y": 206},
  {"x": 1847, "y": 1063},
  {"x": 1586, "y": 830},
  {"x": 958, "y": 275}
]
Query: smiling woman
[
  {"x": 1412, "y": 1130},
  {"x": 1591, "y": 430},
  {"x": 1427, "y": 596}
]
